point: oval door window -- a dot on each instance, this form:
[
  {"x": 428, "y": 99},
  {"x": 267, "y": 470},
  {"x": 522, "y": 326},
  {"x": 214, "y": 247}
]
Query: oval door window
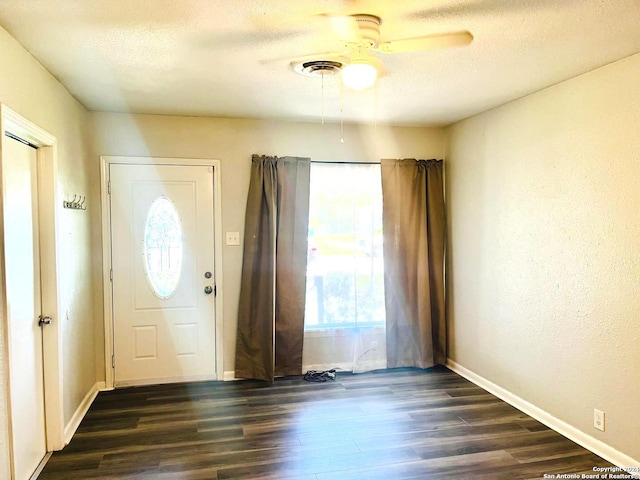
[{"x": 163, "y": 247}]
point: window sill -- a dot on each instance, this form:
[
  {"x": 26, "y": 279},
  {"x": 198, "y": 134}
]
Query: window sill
[{"x": 343, "y": 331}]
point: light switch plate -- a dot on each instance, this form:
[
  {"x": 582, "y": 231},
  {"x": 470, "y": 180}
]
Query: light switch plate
[
  {"x": 233, "y": 238},
  {"x": 598, "y": 419}
]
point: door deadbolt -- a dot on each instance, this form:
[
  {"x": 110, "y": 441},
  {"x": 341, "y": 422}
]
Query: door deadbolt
[{"x": 207, "y": 274}]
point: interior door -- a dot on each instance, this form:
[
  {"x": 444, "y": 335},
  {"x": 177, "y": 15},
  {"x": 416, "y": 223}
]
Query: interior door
[
  {"x": 22, "y": 273},
  {"x": 162, "y": 256}
]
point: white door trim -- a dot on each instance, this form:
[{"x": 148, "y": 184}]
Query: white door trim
[
  {"x": 48, "y": 205},
  {"x": 105, "y": 162}
]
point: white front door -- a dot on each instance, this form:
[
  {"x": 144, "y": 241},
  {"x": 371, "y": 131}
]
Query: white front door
[
  {"x": 22, "y": 274},
  {"x": 162, "y": 257}
]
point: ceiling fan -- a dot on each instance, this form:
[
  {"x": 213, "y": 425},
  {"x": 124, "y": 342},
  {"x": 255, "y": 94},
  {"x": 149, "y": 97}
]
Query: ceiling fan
[{"x": 358, "y": 64}]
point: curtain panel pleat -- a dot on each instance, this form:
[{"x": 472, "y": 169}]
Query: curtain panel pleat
[
  {"x": 273, "y": 283},
  {"x": 414, "y": 249}
]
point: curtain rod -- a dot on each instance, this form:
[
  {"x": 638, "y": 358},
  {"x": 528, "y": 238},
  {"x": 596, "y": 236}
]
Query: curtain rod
[{"x": 345, "y": 162}]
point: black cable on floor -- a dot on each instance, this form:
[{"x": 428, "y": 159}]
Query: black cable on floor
[{"x": 319, "y": 375}]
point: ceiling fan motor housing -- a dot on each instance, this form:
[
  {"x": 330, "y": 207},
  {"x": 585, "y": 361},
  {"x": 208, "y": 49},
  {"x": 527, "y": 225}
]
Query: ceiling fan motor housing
[{"x": 369, "y": 26}]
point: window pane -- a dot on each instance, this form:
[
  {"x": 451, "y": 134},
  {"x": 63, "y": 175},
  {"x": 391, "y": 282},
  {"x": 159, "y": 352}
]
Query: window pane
[
  {"x": 345, "y": 268},
  {"x": 163, "y": 247}
]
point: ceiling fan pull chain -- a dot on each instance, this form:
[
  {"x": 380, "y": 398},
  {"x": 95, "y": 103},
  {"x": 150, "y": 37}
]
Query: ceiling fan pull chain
[
  {"x": 375, "y": 111},
  {"x": 322, "y": 99},
  {"x": 341, "y": 113}
]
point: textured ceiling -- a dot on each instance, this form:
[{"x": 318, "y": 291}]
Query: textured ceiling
[{"x": 230, "y": 58}]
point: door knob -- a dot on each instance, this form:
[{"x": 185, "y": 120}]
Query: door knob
[{"x": 208, "y": 290}]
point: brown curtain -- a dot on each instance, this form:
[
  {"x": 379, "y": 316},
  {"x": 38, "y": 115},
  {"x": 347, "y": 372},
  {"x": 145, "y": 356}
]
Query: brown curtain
[
  {"x": 414, "y": 249},
  {"x": 273, "y": 284}
]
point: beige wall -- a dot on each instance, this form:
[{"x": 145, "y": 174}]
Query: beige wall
[
  {"x": 28, "y": 89},
  {"x": 544, "y": 210},
  {"x": 233, "y": 141}
]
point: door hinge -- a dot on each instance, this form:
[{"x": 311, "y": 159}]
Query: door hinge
[
  {"x": 109, "y": 187},
  {"x": 111, "y": 274},
  {"x": 113, "y": 361},
  {"x": 42, "y": 320}
]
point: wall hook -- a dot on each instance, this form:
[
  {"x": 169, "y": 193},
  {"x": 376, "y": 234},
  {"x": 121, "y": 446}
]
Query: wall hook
[{"x": 77, "y": 203}]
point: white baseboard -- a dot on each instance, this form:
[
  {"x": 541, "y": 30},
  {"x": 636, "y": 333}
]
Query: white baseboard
[
  {"x": 81, "y": 411},
  {"x": 40, "y": 467},
  {"x": 572, "y": 433},
  {"x": 229, "y": 375}
]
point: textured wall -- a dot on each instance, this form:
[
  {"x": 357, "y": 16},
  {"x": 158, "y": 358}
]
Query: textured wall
[
  {"x": 27, "y": 88},
  {"x": 233, "y": 141},
  {"x": 544, "y": 210}
]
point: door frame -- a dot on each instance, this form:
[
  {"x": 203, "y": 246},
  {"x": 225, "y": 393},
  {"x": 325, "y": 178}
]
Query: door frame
[
  {"x": 105, "y": 163},
  {"x": 48, "y": 204}
]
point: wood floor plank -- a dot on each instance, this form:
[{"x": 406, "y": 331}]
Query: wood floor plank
[
  {"x": 462, "y": 465},
  {"x": 545, "y": 451},
  {"x": 399, "y": 424},
  {"x": 440, "y": 435},
  {"x": 309, "y": 465}
]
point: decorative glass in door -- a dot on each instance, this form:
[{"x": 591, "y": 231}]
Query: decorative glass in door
[{"x": 163, "y": 247}]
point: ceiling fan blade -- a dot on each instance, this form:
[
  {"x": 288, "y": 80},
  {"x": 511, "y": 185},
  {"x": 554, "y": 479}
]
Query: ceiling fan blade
[{"x": 428, "y": 42}]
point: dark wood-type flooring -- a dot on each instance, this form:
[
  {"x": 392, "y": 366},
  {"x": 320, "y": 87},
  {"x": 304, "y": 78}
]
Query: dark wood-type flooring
[{"x": 395, "y": 424}]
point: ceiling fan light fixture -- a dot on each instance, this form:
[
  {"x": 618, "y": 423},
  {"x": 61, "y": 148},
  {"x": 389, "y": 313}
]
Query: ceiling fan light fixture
[{"x": 359, "y": 75}]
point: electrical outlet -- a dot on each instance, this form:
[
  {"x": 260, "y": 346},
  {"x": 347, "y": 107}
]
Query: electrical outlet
[
  {"x": 233, "y": 238},
  {"x": 598, "y": 419},
  {"x": 374, "y": 345}
]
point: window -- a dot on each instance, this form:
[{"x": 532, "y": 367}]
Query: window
[
  {"x": 345, "y": 268},
  {"x": 163, "y": 247}
]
